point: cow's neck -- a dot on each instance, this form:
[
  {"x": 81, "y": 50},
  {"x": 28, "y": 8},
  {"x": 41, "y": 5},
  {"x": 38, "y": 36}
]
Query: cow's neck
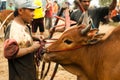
[
  {"x": 76, "y": 71},
  {"x": 88, "y": 64}
]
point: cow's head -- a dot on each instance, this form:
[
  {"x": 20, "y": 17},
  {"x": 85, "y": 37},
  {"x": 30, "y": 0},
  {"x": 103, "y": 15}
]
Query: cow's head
[{"x": 67, "y": 47}]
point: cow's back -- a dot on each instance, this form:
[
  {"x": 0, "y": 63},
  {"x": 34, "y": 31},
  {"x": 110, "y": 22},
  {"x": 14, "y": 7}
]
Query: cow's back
[{"x": 4, "y": 14}]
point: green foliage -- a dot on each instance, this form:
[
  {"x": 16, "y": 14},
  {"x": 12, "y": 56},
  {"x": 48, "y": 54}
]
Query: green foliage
[
  {"x": 116, "y": 24},
  {"x": 104, "y": 2}
]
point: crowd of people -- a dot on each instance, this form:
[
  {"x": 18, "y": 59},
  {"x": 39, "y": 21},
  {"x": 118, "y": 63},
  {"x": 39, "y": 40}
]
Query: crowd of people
[{"x": 21, "y": 41}]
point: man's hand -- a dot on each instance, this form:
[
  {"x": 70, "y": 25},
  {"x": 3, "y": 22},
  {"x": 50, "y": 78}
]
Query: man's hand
[
  {"x": 35, "y": 46},
  {"x": 41, "y": 37}
]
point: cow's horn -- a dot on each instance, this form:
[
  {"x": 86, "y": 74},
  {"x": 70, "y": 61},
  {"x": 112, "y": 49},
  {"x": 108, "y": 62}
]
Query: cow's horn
[{"x": 86, "y": 29}]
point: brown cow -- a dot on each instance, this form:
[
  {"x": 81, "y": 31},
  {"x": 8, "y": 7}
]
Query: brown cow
[
  {"x": 100, "y": 61},
  {"x": 4, "y": 14}
]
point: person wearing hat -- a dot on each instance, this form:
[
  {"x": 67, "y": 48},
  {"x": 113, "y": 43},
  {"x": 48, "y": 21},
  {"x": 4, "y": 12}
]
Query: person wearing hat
[{"x": 19, "y": 47}]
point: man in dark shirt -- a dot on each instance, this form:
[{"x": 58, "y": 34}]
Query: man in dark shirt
[{"x": 97, "y": 14}]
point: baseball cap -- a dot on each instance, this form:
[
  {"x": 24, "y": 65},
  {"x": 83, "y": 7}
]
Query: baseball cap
[{"x": 25, "y": 4}]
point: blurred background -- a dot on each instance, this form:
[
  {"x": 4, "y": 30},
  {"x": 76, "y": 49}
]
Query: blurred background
[{"x": 96, "y": 3}]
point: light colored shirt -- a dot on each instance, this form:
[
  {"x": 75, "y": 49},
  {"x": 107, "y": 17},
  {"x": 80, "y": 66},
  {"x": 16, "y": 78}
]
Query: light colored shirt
[
  {"x": 24, "y": 39},
  {"x": 10, "y": 8}
]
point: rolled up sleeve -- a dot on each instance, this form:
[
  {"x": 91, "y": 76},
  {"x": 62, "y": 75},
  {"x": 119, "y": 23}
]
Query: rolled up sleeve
[{"x": 11, "y": 48}]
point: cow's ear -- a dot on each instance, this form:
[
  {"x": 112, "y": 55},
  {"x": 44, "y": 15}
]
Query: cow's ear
[{"x": 94, "y": 38}]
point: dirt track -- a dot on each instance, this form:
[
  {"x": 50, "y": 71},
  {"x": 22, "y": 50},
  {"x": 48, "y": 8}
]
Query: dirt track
[{"x": 61, "y": 74}]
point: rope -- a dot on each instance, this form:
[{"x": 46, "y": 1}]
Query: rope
[
  {"x": 43, "y": 77},
  {"x": 55, "y": 70}
]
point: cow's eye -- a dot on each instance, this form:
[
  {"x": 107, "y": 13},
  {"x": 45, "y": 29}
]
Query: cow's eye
[{"x": 68, "y": 41}]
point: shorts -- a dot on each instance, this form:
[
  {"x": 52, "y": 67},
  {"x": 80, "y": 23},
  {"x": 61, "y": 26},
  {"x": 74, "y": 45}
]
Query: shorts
[{"x": 38, "y": 23}]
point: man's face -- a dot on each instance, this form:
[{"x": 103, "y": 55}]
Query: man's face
[
  {"x": 10, "y": 4},
  {"x": 85, "y": 4},
  {"x": 27, "y": 15}
]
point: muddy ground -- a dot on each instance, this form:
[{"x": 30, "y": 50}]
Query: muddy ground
[{"x": 61, "y": 73}]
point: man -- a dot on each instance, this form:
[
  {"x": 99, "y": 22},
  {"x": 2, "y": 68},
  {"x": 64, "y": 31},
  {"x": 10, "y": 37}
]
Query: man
[
  {"x": 48, "y": 14},
  {"x": 10, "y": 6},
  {"x": 19, "y": 47},
  {"x": 55, "y": 8},
  {"x": 38, "y": 21},
  {"x": 97, "y": 14}
]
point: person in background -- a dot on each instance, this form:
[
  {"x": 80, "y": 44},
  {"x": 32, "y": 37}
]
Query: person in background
[
  {"x": 48, "y": 14},
  {"x": 55, "y": 9},
  {"x": 10, "y": 6},
  {"x": 96, "y": 14},
  {"x": 113, "y": 13},
  {"x": 38, "y": 19},
  {"x": 3, "y": 6},
  {"x": 19, "y": 47},
  {"x": 115, "y": 16},
  {"x": 61, "y": 13}
]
